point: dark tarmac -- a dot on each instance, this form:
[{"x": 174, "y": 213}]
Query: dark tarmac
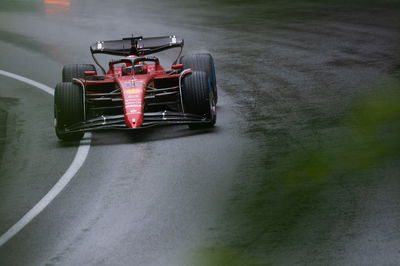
[{"x": 291, "y": 175}]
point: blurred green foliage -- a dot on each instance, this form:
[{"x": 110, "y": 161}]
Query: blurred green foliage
[
  {"x": 369, "y": 137},
  {"x": 271, "y": 213},
  {"x": 223, "y": 256}
]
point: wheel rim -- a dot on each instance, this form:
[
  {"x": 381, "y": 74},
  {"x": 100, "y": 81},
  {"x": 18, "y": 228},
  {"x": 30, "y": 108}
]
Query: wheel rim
[{"x": 213, "y": 108}]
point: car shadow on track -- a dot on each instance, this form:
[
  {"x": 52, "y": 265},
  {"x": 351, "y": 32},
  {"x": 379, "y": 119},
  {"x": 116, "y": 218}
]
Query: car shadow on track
[
  {"x": 115, "y": 137},
  {"x": 146, "y": 135}
]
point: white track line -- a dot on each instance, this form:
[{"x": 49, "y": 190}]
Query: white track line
[
  {"x": 28, "y": 81},
  {"x": 77, "y": 163}
]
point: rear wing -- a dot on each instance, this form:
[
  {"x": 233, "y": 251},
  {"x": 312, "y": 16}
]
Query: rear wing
[{"x": 136, "y": 45}]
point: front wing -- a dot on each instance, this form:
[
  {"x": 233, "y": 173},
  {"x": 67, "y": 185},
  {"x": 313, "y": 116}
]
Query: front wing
[{"x": 150, "y": 119}]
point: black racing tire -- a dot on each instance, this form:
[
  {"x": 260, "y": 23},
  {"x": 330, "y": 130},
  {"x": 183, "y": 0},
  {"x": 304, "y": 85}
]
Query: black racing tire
[
  {"x": 68, "y": 109},
  {"x": 202, "y": 62},
  {"x": 198, "y": 98},
  {"x": 75, "y": 71}
]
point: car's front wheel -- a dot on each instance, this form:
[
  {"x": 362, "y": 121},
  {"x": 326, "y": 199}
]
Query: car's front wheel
[
  {"x": 202, "y": 62},
  {"x": 198, "y": 98},
  {"x": 69, "y": 109}
]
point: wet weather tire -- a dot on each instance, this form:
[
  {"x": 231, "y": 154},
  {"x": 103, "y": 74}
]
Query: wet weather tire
[
  {"x": 198, "y": 98},
  {"x": 75, "y": 71},
  {"x": 202, "y": 62},
  {"x": 68, "y": 109}
]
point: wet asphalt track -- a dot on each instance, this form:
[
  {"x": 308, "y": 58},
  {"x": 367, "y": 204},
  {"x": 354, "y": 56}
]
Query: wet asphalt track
[
  {"x": 146, "y": 198},
  {"x": 152, "y": 197}
]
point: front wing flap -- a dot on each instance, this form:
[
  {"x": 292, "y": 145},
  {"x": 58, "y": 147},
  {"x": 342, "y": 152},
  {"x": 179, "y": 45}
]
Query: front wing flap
[{"x": 150, "y": 119}]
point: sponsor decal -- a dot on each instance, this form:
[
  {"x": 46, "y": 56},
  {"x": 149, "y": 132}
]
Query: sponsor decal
[
  {"x": 134, "y": 97},
  {"x": 134, "y": 83},
  {"x": 130, "y": 84},
  {"x": 134, "y": 105},
  {"x": 133, "y": 91}
]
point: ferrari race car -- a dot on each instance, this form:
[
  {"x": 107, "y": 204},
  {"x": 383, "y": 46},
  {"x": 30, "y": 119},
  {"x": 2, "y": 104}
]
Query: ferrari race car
[{"x": 136, "y": 91}]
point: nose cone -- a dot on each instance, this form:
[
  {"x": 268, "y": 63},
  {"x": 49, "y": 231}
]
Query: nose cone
[
  {"x": 134, "y": 120},
  {"x": 133, "y": 90}
]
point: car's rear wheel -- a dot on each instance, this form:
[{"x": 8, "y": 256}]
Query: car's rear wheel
[
  {"x": 68, "y": 109},
  {"x": 198, "y": 98},
  {"x": 202, "y": 62},
  {"x": 76, "y": 71}
]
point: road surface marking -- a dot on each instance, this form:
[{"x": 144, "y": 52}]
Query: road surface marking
[
  {"x": 77, "y": 163},
  {"x": 28, "y": 81}
]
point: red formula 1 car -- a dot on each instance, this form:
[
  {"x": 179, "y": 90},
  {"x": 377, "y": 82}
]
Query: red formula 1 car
[{"x": 136, "y": 91}]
